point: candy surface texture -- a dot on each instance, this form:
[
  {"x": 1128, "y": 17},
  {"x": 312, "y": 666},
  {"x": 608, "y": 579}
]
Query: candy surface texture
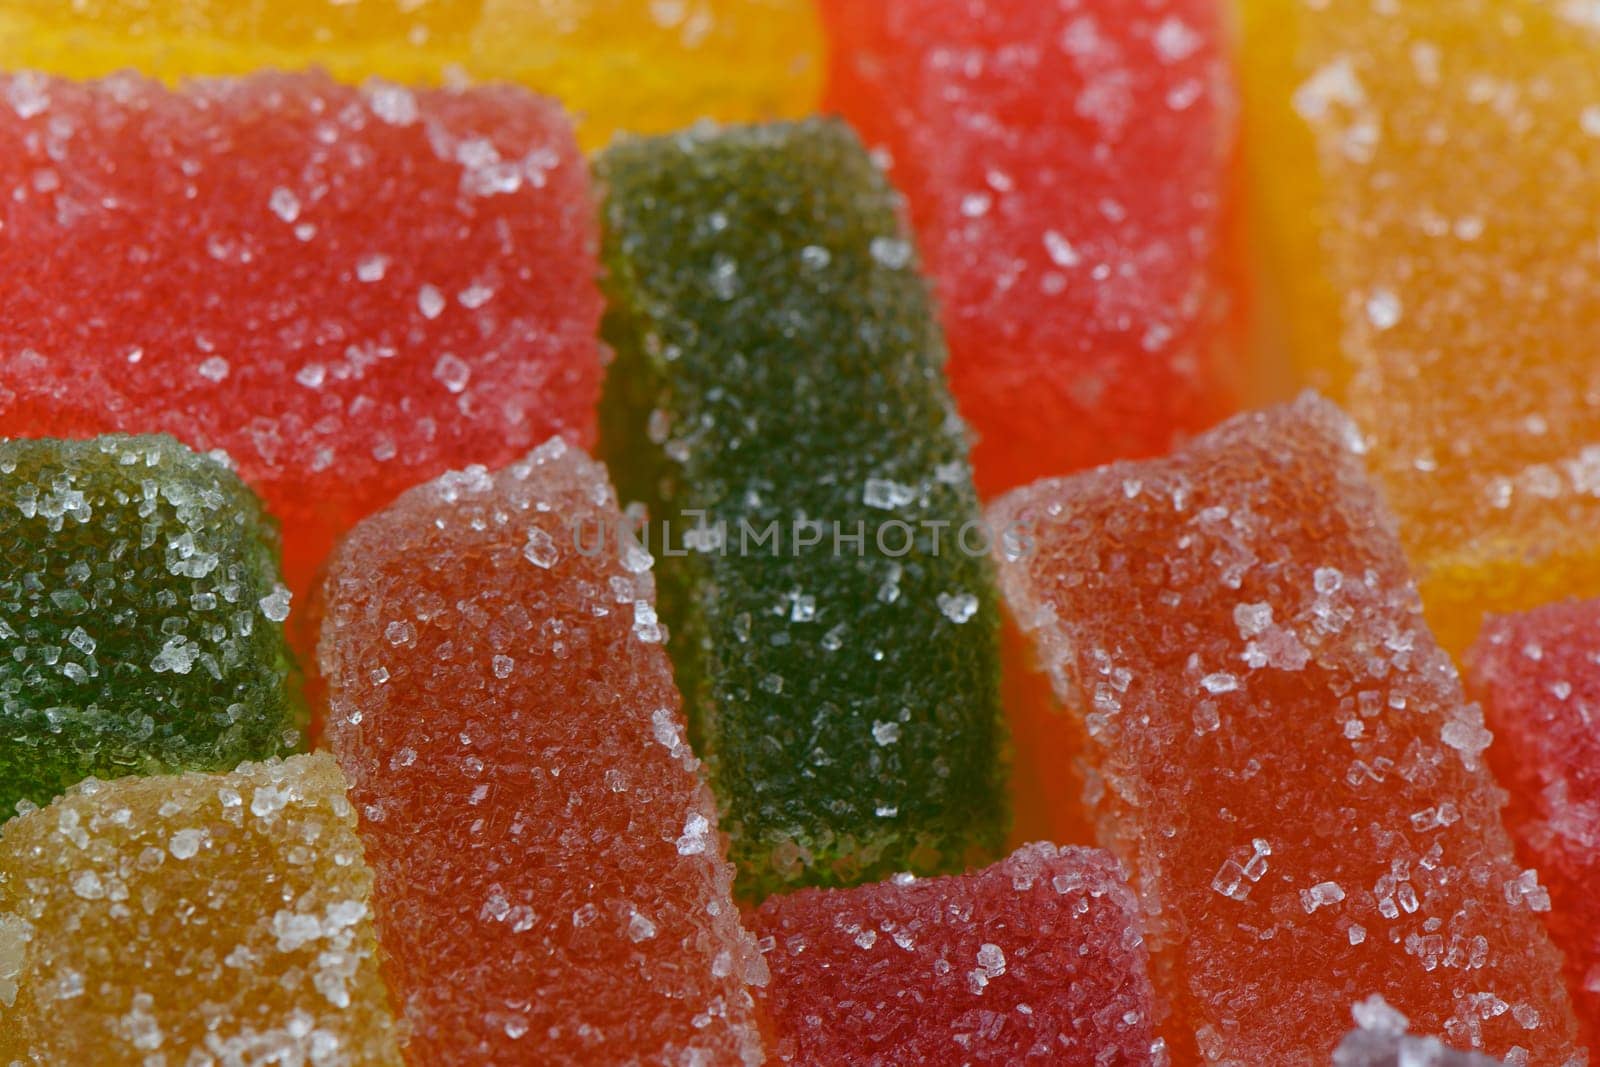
[
  {"x": 1286, "y": 762},
  {"x": 199, "y": 918},
  {"x": 1538, "y": 675},
  {"x": 141, "y": 616},
  {"x": 638, "y": 65},
  {"x": 1037, "y": 959},
  {"x": 550, "y": 882},
  {"x": 778, "y": 402},
  {"x": 1070, "y": 170},
  {"x": 1426, "y": 178},
  {"x": 349, "y": 291},
  {"x": 1380, "y": 1040}
]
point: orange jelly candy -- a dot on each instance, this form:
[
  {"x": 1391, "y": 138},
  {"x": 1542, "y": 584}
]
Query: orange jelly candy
[
  {"x": 1289, "y": 767},
  {"x": 1427, "y": 179},
  {"x": 549, "y": 881}
]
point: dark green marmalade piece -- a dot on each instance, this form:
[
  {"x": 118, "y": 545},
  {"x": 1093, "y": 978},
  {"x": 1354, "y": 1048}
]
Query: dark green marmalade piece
[
  {"x": 778, "y": 364},
  {"x": 140, "y": 616}
]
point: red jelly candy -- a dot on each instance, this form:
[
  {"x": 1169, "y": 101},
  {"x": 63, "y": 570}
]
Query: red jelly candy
[
  {"x": 1538, "y": 675},
  {"x": 1037, "y": 959},
  {"x": 1069, "y": 170},
  {"x": 347, "y": 290}
]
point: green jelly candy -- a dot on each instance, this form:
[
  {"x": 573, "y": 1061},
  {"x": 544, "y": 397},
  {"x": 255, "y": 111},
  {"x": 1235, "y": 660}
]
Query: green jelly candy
[
  {"x": 141, "y": 616},
  {"x": 778, "y": 403}
]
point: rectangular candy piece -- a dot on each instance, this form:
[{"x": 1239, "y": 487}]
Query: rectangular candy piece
[
  {"x": 778, "y": 404},
  {"x": 639, "y": 65},
  {"x": 1538, "y": 676},
  {"x": 198, "y": 919},
  {"x": 1380, "y": 1040},
  {"x": 1290, "y": 770},
  {"x": 550, "y": 881},
  {"x": 1427, "y": 176},
  {"x": 1070, "y": 171},
  {"x": 1038, "y": 958},
  {"x": 141, "y": 616},
  {"x": 375, "y": 285}
]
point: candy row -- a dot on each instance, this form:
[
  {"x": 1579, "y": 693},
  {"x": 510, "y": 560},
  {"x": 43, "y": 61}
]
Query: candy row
[
  {"x": 1410, "y": 192},
  {"x": 378, "y": 284},
  {"x": 1285, "y": 764}
]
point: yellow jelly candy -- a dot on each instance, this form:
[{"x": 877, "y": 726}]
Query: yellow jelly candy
[
  {"x": 641, "y": 65},
  {"x": 1427, "y": 181},
  {"x": 202, "y": 918}
]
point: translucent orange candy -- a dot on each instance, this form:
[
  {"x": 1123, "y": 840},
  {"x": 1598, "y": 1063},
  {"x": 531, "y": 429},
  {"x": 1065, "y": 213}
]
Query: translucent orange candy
[
  {"x": 1427, "y": 179},
  {"x": 1283, "y": 755},
  {"x": 550, "y": 884},
  {"x": 641, "y": 65}
]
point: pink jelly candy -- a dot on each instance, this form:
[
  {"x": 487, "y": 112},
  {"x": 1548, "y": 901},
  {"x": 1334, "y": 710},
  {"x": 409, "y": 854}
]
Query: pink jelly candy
[
  {"x": 1037, "y": 959},
  {"x": 1538, "y": 675}
]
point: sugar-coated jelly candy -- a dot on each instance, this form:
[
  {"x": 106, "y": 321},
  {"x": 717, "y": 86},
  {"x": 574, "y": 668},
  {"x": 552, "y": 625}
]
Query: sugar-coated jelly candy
[
  {"x": 644, "y": 65},
  {"x": 192, "y": 919},
  {"x": 550, "y": 882},
  {"x": 1538, "y": 676},
  {"x": 1037, "y": 959},
  {"x": 778, "y": 403},
  {"x": 1071, "y": 171},
  {"x": 348, "y": 290},
  {"x": 141, "y": 616},
  {"x": 1284, "y": 756},
  {"x": 1426, "y": 178}
]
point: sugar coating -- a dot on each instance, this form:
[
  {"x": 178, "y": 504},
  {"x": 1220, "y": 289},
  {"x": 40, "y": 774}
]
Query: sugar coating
[
  {"x": 1070, "y": 170},
  {"x": 1036, "y": 959},
  {"x": 1289, "y": 768},
  {"x": 1538, "y": 675},
  {"x": 141, "y": 616},
  {"x": 1380, "y": 1040},
  {"x": 204, "y": 919},
  {"x": 551, "y": 884},
  {"x": 645, "y": 65},
  {"x": 778, "y": 375},
  {"x": 1446, "y": 296},
  {"x": 376, "y": 284}
]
